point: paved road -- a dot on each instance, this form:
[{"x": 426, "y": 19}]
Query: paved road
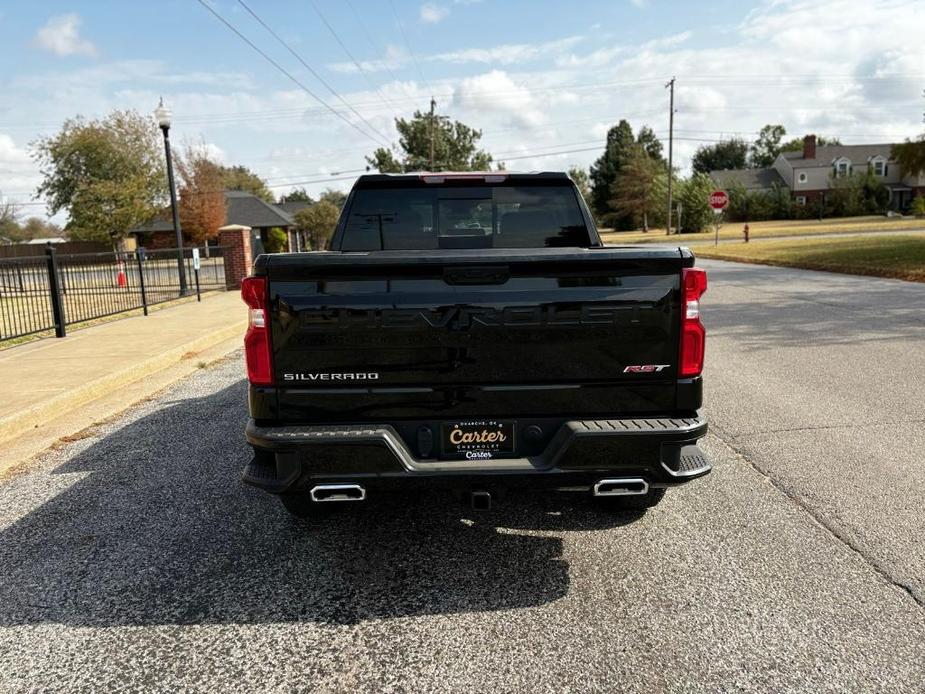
[{"x": 133, "y": 559}]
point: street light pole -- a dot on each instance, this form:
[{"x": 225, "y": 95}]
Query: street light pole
[{"x": 162, "y": 113}]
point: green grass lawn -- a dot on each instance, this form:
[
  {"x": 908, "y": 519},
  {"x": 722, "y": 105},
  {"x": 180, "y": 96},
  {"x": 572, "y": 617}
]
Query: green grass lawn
[
  {"x": 771, "y": 229},
  {"x": 900, "y": 256}
]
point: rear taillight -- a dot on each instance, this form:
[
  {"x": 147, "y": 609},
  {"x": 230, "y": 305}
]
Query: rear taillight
[
  {"x": 693, "y": 334},
  {"x": 257, "y": 338}
]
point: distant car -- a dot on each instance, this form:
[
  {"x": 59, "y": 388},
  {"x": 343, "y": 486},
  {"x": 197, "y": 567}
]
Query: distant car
[{"x": 471, "y": 332}]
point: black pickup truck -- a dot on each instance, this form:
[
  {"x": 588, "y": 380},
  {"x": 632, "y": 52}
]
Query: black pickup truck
[{"x": 471, "y": 332}]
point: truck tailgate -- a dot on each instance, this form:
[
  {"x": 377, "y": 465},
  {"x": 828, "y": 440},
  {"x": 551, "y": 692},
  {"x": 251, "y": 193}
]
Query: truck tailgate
[{"x": 496, "y": 332}]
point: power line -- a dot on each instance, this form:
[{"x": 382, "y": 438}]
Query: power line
[
  {"x": 286, "y": 72},
  {"x": 354, "y": 60},
  {"x": 372, "y": 41},
  {"x": 599, "y": 146},
  {"x": 898, "y": 106},
  {"x": 311, "y": 69},
  {"x": 417, "y": 65}
]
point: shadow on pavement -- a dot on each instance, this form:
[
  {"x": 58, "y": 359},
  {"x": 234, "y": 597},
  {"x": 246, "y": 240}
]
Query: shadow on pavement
[{"x": 160, "y": 531}]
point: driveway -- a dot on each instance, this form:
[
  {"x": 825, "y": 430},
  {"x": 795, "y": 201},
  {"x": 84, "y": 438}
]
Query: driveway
[{"x": 134, "y": 559}]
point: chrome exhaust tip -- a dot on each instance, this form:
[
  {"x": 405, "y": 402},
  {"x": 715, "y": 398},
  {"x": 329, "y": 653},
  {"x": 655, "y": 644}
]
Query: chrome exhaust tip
[
  {"x": 623, "y": 486},
  {"x": 338, "y": 492}
]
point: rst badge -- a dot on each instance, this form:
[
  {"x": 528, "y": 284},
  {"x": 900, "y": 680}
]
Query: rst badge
[{"x": 645, "y": 368}]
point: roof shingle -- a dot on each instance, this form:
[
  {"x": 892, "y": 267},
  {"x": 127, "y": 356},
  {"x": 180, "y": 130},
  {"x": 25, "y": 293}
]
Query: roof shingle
[
  {"x": 241, "y": 208},
  {"x": 750, "y": 179},
  {"x": 825, "y": 155}
]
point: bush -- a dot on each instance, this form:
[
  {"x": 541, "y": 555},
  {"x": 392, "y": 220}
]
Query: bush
[
  {"x": 860, "y": 193},
  {"x": 277, "y": 241},
  {"x": 918, "y": 206},
  {"x": 694, "y": 198},
  {"x": 748, "y": 205}
]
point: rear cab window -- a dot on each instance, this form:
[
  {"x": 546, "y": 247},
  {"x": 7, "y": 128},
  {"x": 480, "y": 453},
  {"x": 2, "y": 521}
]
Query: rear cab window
[{"x": 410, "y": 214}]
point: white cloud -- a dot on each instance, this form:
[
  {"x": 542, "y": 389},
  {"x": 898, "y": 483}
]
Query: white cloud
[
  {"x": 395, "y": 57},
  {"x": 666, "y": 41},
  {"x": 61, "y": 36},
  {"x": 603, "y": 57},
  {"x": 18, "y": 175},
  {"x": 11, "y": 154},
  {"x": 507, "y": 54},
  {"x": 834, "y": 67},
  {"x": 639, "y": 3},
  {"x": 496, "y": 92},
  {"x": 432, "y": 13},
  {"x": 131, "y": 72}
]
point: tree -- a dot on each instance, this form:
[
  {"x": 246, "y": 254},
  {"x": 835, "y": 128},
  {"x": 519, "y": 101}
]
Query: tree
[
  {"x": 766, "y": 148},
  {"x": 780, "y": 201},
  {"x": 108, "y": 174},
  {"x": 918, "y": 206},
  {"x": 859, "y": 193},
  {"x": 9, "y": 222},
  {"x": 318, "y": 223},
  {"x": 640, "y": 191},
  {"x": 202, "y": 197},
  {"x": 604, "y": 171},
  {"x": 36, "y": 228},
  {"x": 241, "y": 178},
  {"x": 693, "y": 195},
  {"x": 747, "y": 205},
  {"x": 581, "y": 180},
  {"x": 651, "y": 144},
  {"x": 455, "y": 146},
  {"x": 297, "y": 195},
  {"x": 728, "y": 154},
  {"x": 335, "y": 197},
  {"x": 796, "y": 144},
  {"x": 277, "y": 241},
  {"x": 910, "y": 155}
]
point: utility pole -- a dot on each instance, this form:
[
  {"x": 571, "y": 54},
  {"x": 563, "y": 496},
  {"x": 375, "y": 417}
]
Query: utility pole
[
  {"x": 432, "y": 105},
  {"x": 670, "y": 85}
]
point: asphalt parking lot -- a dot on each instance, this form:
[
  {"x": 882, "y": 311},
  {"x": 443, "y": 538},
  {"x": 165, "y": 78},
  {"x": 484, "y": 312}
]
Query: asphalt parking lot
[{"x": 133, "y": 559}]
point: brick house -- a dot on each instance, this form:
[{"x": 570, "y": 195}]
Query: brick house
[{"x": 808, "y": 173}]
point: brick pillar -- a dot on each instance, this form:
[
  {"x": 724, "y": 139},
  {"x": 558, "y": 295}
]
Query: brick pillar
[{"x": 236, "y": 241}]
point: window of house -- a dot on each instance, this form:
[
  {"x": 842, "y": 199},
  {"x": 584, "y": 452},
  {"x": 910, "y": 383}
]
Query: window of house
[
  {"x": 801, "y": 200},
  {"x": 842, "y": 168},
  {"x": 802, "y": 178},
  {"x": 879, "y": 167}
]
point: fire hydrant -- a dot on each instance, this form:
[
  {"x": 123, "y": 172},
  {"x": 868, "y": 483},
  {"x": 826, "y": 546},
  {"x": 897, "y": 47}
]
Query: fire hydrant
[{"x": 745, "y": 233}]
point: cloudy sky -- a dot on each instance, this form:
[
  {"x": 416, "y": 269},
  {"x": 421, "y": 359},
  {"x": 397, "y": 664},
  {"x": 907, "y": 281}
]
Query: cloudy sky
[{"x": 542, "y": 79}]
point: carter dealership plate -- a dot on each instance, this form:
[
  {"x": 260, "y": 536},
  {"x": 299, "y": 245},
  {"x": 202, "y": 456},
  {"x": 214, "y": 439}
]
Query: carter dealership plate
[{"x": 481, "y": 439}]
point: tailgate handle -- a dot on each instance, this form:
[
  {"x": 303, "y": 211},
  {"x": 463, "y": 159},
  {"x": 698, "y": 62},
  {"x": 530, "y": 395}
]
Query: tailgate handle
[{"x": 497, "y": 274}]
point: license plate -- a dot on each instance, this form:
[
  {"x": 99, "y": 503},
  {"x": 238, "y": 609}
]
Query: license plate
[{"x": 481, "y": 439}]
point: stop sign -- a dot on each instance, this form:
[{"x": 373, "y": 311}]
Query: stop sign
[{"x": 718, "y": 199}]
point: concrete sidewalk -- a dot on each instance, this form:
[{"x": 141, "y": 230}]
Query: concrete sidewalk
[{"x": 51, "y": 377}]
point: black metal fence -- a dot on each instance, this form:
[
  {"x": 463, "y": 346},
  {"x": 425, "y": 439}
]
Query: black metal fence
[{"x": 51, "y": 291}]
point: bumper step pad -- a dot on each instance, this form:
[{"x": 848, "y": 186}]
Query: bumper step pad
[{"x": 690, "y": 462}]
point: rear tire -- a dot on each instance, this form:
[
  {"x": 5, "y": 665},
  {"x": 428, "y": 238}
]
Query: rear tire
[
  {"x": 302, "y": 506},
  {"x": 635, "y": 502}
]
